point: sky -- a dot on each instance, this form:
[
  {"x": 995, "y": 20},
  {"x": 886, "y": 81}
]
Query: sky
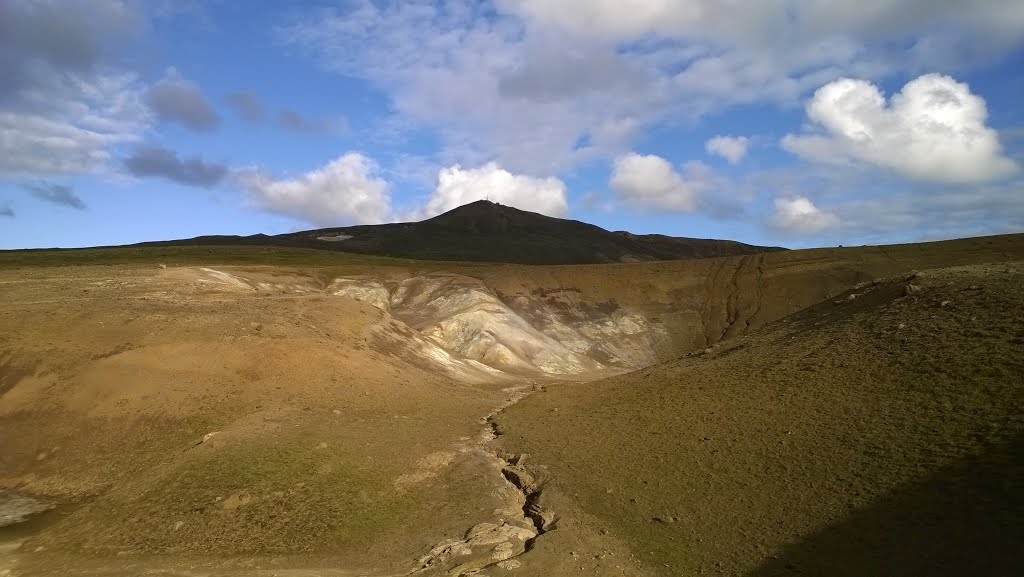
[{"x": 780, "y": 122}]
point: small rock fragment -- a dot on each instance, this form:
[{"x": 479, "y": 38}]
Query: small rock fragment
[
  {"x": 519, "y": 459},
  {"x": 518, "y": 476}
]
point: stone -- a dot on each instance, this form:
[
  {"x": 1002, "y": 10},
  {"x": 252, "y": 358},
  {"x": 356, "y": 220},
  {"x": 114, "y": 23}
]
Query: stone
[
  {"x": 519, "y": 459},
  {"x": 503, "y": 551},
  {"x": 518, "y": 476}
]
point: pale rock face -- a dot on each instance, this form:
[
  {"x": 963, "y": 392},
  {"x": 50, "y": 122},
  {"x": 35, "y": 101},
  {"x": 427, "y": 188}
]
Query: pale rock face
[
  {"x": 458, "y": 324},
  {"x": 365, "y": 290},
  {"x": 221, "y": 277}
]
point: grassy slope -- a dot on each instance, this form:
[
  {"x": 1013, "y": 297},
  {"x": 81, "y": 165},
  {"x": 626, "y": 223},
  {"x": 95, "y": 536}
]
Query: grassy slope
[
  {"x": 879, "y": 436},
  {"x": 117, "y": 372},
  {"x": 69, "y": 323}
]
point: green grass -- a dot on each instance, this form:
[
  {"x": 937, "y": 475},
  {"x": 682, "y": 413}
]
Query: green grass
[
  {"x": 210, "y": 256},
  {"x": 299, "y": 499}
]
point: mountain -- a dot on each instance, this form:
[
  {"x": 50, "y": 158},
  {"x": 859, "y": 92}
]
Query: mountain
[{"x": 484, "y": 231}]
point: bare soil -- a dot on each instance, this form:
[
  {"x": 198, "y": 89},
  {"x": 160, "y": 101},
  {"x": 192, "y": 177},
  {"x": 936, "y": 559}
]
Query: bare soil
[
  {"x": 247, "y": 419},
  {"x": 877, "y": 433}
]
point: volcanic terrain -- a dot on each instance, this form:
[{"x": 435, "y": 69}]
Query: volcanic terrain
[{"x": 249, "y": 408}]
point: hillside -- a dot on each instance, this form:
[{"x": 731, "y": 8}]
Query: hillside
[
  {"x": 240, "y": 410},
  {"x": 483, "y": 231},
  {"x": 877, "y": 433}
]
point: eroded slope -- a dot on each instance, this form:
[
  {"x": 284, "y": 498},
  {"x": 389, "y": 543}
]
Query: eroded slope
[
  {"x": 345, "y": 397},
  {"x": 878, "y": 433}
]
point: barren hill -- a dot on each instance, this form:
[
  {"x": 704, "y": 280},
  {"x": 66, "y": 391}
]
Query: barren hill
[
  {"x": 241, "y": 410},
  {"x": 880, "y": 432},
  {"x": 484, "y": 231}
]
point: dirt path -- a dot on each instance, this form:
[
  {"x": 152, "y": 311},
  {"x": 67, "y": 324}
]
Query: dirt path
[
  {"x": 495, "y": 542},
  {"x": 513, "y": 529}
]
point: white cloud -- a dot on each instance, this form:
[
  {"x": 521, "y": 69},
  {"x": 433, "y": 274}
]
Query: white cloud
[
  {"x": 72, "y": 127},
  {"x": 457, "y": 186},
  {"x": 797, "y": 215},
  {"x": 63, "y": 108},
  {"x": 933, "y": 130},
  {"x": 649, "y": 182},
  {"x": 762, "y": 21},
  {"x": 344, "y": 191},
  {"x": 731, "y": 148},
  {"x": 541, "y": 86},
  {"x": 536, "y": 106}
]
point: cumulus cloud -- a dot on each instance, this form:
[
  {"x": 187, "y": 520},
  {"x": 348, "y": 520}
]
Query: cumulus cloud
[
  {"x": 731, "y": 148},
  {"x": 63, "y": 108},
  {"x": 933, "y": 130},
  {"x": 797, "y": 215},
  {"x": 457, "y": 186},
  {"x": 163, "y": 163},
  {"x": 247, "y": 105},
  {"x": 54, "y": 193},
  {"x": 649, "y": 182},
  {"x": 536, "y": 107},
  {"x": 345, "y": 191},
  {"x": 175, "y": 99},
  {"x": 530, "y": 83},
  {"x": 294, "y": 122}
]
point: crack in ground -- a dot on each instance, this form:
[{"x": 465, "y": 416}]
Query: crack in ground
[{"x": 514, "y": 531}]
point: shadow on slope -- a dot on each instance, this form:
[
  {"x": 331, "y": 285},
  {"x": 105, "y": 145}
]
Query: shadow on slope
[
  {"x": 875, "y": 422},
  {"x": 484, "y": 231},
  {"x": 966, "y": 519}
]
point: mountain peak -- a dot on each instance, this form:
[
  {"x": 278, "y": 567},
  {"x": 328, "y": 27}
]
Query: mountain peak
[{"x": 486, "y": 217}]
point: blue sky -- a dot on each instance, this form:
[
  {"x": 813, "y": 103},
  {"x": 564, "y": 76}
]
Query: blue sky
[{"x": 800, "y": 123}]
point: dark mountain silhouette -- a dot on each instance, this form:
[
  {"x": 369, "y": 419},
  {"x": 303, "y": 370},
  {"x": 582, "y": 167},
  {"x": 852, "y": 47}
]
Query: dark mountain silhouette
[{"x": 484, "y": 231}]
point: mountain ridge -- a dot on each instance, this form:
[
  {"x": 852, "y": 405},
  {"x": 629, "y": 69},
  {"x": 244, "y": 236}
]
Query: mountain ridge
[{"x": 484, "y": 231}]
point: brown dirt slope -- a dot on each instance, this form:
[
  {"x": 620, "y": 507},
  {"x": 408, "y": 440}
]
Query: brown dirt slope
[
  {"x": 877, "y": 433},
  {"x": 340, "y": 445},
  {"x": 114, "y": 377}
]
